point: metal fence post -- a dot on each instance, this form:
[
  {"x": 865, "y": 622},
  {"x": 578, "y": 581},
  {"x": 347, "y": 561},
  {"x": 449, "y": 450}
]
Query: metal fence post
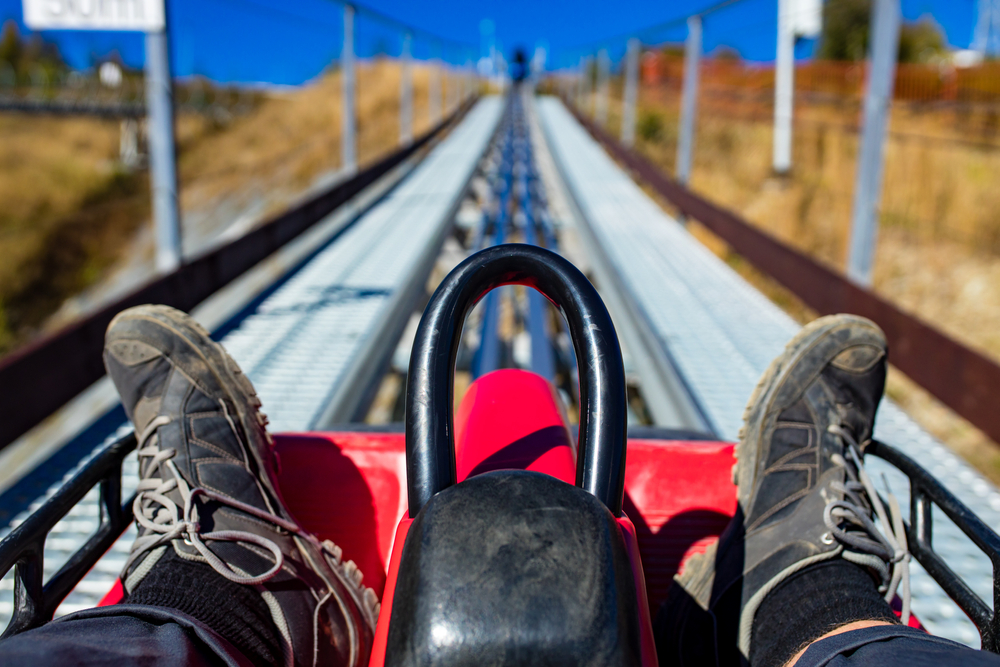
[
  {"x": 451, "y": 88},
  {"x": 406, "y": 94},
  {"x": 886, "y": 18},
  {"x": 162, "y": 155},
  {"x": 631, "y": 91},
  {"x": 603, "y": 65},
  {"x": 588, "y": 88},
  {"x": 348, "y": 148},
  {"x": 467, "y": 80},
  {"x": 434, "y": 93},
  {"x": 689, "y": 99},
  {"x": 784, "y": 87}
]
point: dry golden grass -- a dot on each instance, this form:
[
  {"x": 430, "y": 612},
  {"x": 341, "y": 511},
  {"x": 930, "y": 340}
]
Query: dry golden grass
[
  {"x": 292, "y": 138},
  {"x": 938, "y": 253},
  {"x": 69, "y": 214},
  {"x": 51, "y": 169}
]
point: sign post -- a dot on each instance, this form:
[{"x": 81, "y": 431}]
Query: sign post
[
  {"x": 784, "y": 87},
  {"x": 148, "y": 16},
  {"x": 162, "y": 152}
]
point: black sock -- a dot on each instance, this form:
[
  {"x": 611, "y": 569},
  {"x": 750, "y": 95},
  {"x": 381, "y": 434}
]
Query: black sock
[
  {"x": 236, "y": 612},
  {"x": 810, "y": 603}
]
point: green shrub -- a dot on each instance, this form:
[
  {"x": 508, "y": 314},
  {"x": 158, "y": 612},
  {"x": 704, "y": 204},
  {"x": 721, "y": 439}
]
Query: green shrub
[{"x": 650, "y": 126}]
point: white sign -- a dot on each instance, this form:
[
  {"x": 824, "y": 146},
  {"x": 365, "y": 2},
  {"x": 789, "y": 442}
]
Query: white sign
[
  {"x": 141, "y": 15},
  {"x": 807, "y": 18}
]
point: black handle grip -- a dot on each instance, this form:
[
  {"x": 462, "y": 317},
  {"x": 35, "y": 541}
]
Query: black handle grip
[{"x": 430, "y": 438}]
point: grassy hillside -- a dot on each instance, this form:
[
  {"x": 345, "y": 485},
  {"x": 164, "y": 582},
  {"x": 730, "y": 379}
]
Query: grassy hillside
[{"x": 70, "y": 215}]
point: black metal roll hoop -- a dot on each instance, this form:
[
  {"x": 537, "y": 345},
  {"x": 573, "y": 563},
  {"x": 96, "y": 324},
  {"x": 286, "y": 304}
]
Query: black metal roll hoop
[{"x": 430, "y": 438}]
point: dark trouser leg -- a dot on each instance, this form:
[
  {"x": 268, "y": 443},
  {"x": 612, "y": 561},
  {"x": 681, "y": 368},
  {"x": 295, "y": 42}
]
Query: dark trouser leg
[
  {"x": 121, "y": 636},
  {"x": 892, "y": 646},
  {"x": 182, "y": 613}
]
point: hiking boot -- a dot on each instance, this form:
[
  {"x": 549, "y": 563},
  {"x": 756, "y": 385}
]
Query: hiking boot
[
  {"x": 208, "y": 488},
  {"x": 803, "y": 494}
]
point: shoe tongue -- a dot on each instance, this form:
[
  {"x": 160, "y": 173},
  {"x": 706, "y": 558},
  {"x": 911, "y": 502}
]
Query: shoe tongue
[
  {"x": 857, "y": 396},
  {"x": 141, "y": 387},
  {"x": 145, "y": 410}
]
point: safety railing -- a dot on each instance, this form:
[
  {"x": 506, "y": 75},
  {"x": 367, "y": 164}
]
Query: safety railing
[
  {"x": 36, "y": 601},
  {"x": 925, "y": 493}
]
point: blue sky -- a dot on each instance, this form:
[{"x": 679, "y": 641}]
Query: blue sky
[{"x": 290, "y": 41}]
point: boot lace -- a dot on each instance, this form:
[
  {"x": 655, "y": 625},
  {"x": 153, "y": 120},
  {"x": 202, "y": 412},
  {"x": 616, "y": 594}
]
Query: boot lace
[
  {"x": 165, "y": 521},
  {"x": 849, "y": 522}
]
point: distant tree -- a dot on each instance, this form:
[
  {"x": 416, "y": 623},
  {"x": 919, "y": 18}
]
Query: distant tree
[
  {"x": 650, "y": 126},
  {"x": 846, "y": 28},
  {"x": 673, "y": 50},
  {"x": 11, "y": 46},
  {"x": 920, "y": 42},
  {"x": 726, "y": 53}
]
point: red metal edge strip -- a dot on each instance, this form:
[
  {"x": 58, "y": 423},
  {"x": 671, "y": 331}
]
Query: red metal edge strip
[
  {"x": 964, "y": 380},
  {"x": 42, "y": 376}
]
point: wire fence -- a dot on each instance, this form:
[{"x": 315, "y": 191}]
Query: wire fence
[{"x": 837, "y": 82}]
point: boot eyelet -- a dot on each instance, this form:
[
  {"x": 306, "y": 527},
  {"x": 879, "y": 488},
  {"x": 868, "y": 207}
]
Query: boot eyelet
[{"x": 826, "y": 538}]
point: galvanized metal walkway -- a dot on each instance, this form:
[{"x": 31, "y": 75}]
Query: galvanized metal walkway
[
  {"x": 305, "y": 343},
  {"x": 720, "y": 333}
]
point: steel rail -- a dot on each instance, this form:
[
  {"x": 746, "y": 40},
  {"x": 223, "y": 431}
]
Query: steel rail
[
  {"x": 487, "y": 357},
  {"x": 542, "y": 355},
  {"x": 54, "y": 369},
  {"x": 961, "y": 378}
]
